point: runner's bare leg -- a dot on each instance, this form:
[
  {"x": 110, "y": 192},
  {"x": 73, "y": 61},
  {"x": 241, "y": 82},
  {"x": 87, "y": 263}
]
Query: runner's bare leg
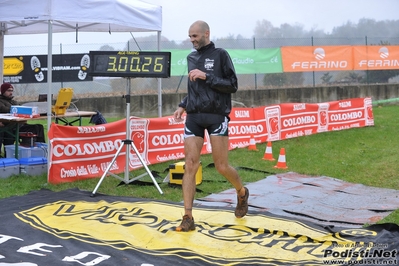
[
  {"x": 220, "y": 154},
  {"x": 192, "y": 149}
]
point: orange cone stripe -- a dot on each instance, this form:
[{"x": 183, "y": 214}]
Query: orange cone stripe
[
  {"x": 269, "y": 152},
  {"x": 281, "y": 160},
  {"x": 252, "y": 144}
]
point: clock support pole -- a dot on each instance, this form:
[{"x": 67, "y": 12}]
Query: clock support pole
[{"x": 129, "y": 145}]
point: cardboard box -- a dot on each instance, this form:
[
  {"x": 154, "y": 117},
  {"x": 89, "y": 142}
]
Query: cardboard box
[
  {"x": 25, "y": 152},
  {"x": 33, "y": 166},
  {"x": 24, "y": 111},
  {"x": 9, "y": 167},
  {"x": 176, "y": 172}
]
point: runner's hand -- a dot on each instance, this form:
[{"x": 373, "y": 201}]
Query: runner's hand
[
  {"x": 177, "y": 115},
  {"x": 195, "y": 74}
]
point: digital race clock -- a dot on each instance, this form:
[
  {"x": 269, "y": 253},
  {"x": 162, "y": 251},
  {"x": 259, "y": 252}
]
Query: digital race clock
[{"x": 130, "y": 64}]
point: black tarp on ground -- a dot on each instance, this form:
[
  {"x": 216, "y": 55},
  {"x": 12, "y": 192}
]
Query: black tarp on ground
[
  {"x": 71, "y": 228},
  {"x": 318, "y": 199}
]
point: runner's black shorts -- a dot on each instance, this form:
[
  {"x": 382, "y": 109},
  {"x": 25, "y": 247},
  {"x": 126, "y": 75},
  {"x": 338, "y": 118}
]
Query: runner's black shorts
[{"x": 197, "y": 123}]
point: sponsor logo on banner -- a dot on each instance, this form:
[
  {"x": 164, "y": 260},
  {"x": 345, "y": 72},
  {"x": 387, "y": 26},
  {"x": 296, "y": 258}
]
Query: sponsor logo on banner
[
  {"x": 34, "y": 69},
  {"x": 242, "y": 125},
  {"x": 384, "y": 52},
  {"x": 349, "y": 114},
  {"x": 302, "y": 121},
  {"x": 310, "y": 58},
  {"x": 322, "y": 115},
  {"x": 368, "y": 109},
  {"x": 376, "y": 57},
  {"x": 385, "y": 60},
  {"x": 320, "y": 55},
  {"x": 138, "y": 129},
  {"x": 13, "y": 66},
  {"x": 165, "y": 139},
  {"x": 273, "y": 122}
]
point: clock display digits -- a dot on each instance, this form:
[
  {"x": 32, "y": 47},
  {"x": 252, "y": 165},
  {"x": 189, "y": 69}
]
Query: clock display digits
[
  {"x": 130, "y": 64},
  {"x": 112, "y": 64},
  {"x": 123, "y": 62},
  {"x": 146, "y": 64},
  {"x": 135, "y": 64}
]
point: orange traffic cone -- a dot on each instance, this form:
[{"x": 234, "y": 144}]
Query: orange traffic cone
[
  {"x": 252, "y": 144},
  {"x": 268, "y": 153},
  {"x": 281, "y": 160}
]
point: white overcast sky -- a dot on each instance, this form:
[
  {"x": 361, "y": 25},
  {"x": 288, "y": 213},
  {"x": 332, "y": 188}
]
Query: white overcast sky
[{"x": 233, "y": 17}]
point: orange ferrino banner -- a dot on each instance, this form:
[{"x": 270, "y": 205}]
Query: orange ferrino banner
[
  {"x": 81, "y": 152},
  {"x": 376, "y": 57},
  {"x": 316, "y": 58}
]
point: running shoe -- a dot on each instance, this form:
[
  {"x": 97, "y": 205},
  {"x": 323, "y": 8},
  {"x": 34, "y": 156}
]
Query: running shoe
[
  {"x": 242, "y": 204},
  {"x": 187, "y": 224}
]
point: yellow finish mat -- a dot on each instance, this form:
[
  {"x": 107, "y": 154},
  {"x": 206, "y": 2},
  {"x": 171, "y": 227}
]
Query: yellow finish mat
[{"x": 72, "y": 228}]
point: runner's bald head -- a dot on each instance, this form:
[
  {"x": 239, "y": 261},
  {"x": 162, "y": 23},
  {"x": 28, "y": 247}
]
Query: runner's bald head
[{"x": 202, "y": 25}]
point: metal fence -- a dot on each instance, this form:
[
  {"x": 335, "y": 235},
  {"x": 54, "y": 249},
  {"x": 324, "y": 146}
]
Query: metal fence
[{"x": 102, "y": 87}]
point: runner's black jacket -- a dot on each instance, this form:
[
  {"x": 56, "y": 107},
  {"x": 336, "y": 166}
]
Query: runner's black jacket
[{"x": 212, "y": 95}]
